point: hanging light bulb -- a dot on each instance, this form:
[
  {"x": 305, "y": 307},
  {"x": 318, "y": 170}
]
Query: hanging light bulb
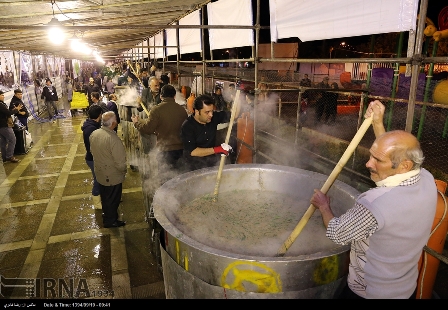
[
  {"x": 55, "y": 33},
  {"x": 74, "y": 42}
]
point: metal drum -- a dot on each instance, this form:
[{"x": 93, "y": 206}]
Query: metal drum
[{"x": 230, "y": 252}]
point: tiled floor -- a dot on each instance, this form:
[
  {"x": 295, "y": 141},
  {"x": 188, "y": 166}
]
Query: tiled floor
[{"x": 51, "y": 229}]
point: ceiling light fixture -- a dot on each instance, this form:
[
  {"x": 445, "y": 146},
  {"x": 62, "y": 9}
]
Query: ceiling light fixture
[{"x": 55, "y": 33}]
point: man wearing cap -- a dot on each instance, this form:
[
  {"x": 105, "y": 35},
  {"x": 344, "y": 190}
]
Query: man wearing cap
[
  {"x": 50, "y": 95},
  {"x": 23, "y": 112},
  {"x": 7, "y": 136}
]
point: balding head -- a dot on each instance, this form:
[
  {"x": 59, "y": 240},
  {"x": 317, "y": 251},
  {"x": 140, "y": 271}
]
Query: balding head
[
  {"x": 401, "y": 145},
  {"x": 109, "y": 120},
  {"x": 394, "y": 152}
]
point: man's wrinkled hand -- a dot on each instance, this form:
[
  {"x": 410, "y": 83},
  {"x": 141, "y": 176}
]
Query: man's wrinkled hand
[
  {"x": 319, "y": 199},
  {"x": 377, "y": 109}
]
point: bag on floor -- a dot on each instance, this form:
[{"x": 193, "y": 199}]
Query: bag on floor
[{"x": 28, "y": 139}]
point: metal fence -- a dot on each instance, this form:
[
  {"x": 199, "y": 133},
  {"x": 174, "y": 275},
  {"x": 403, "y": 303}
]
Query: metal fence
[{"x": 318, "y": 123}]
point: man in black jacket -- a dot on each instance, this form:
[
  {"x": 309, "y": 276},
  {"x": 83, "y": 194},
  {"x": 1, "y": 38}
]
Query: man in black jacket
[
  {"x": 23, "y": 112},
  {"x": 90, "y": 88},
  {"x": 7, "y": 136},
  {"x": 90, "y": 125},
  {"x": 50, "y": 95}
]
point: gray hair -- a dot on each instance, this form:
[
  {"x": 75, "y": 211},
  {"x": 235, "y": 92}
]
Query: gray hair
[
  {"x": 151, "y": 79},
  {"x": 108, "y": 118},
  {"x": 414, "y": 154}
]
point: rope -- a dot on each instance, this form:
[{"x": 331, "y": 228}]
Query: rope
[{"x": 425, "y": 259}]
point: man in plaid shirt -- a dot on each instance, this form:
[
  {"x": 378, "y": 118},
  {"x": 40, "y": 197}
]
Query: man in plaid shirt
[{"x": 390, "y": 224}]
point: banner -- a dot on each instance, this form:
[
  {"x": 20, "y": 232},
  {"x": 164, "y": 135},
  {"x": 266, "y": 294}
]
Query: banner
[
  {"x": 76, "y": 68},
  {"x": 39, "y": 67},
  {"x": 7, "y": 71},
  {"x": 49, "y": 61},
  {"x": 26, "y": 69}
]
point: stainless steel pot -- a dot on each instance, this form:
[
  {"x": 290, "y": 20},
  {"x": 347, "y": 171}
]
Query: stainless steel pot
[{"x": 197, "y": 267}]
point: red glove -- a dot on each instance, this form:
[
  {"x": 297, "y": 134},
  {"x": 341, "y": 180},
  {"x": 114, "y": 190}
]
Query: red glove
[{"x": 222, "y": 149}]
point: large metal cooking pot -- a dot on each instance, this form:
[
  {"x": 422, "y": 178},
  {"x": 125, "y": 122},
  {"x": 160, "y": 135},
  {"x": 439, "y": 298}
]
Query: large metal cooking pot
[{"x": 197, "y": 265}]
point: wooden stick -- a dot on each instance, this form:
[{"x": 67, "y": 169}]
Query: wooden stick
[
  {"x": 229, "y": 131},
  {"x": 136, "y": 75},
  {"x": 331, "y": 178}
]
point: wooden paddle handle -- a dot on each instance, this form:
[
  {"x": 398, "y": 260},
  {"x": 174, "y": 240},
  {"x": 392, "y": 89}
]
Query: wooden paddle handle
[
  {"x": 330, "y": 180},
  {"x": 140, "y": 81},
  {"x": 229, "y": 131}
]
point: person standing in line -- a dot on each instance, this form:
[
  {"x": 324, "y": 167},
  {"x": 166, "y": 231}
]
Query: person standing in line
[
  {"x": 99, "y": 81},
  {"x": 331, "y": 106},
  {"x": 389, "y": 225},
  {"x": 220, "y": 104},
  {"x": 23, "y": 112},
  {"x": 109, "y": 157},
  {"x": 7, "y": 136},
  {"x": 305, "y": 82},
  {"x": 90, "y": 125},
  {"x": 112, "y": 106},
  {"x": 51, "y": 97},
  {"x": 150, "y": 96},
  {"x": 110, "y": 86},
  {"x": 90, "y": 88},
  {"x": 165, "y": 121},
  {"x": 69, "y": 85},
  {"x": 96, "y": 101}
]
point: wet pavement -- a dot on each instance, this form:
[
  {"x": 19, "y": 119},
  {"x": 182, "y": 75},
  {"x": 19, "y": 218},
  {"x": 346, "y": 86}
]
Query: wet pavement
[{"x": 51, "y": 229}]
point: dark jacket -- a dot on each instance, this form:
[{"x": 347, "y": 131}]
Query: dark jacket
[
  {"x": 112, "y": 106},
  {"x": 49, "y": 94},
  {"x": 15, "y": 102},
  {"x": 102, "y": 106},
  {"x": 165, "y": 120},
  {"x": 5, "y": 113},
  {"x": 87, "y": 128},
  {"x": 89, "y": 89},
  {"x": 220, "y": 103},
  {"x": 149, "y": 100}
]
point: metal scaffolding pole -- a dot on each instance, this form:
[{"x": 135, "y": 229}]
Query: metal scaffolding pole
[
  {"x": 203, "y": 53},
  {"x": 257, "y": 41},
  {"x": 416, "y": 63},
  {"x": 178, "y": 55},
  {"x": 149, "y": 54}
]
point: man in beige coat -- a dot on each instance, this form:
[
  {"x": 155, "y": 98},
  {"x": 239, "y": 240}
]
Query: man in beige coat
[{"x": 109, "y": 156}]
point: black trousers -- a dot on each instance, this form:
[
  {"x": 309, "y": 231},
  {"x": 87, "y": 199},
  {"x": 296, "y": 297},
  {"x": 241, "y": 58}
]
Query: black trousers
[{"x": 110, "y": 200}]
